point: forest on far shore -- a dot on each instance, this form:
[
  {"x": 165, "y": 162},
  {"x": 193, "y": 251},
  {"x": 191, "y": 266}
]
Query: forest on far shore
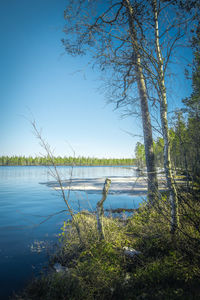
[{"x": 64, "y": 161}]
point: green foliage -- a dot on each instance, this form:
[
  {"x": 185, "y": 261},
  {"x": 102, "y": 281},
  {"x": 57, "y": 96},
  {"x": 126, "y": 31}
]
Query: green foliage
[
  {"x": 68, "y": 161},
  {"x": 167, "y": 268},
  {"x": 191, "y": 141},
  {"x": 179, "y": 142},
  {"x": 158, "y": 146},
  {"x": 98, "y": 269},
  {"x": 140, "y": 155},
  {"x": 55, "y": 286},
  {"x": 185, "y": 132},
  {"x": 185, "y": 141}
]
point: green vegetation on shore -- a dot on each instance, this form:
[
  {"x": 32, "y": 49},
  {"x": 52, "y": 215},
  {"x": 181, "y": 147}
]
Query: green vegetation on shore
[
  {"x": 64, "y": 161},
  {"x": 185, "y": 145},
  {"x": 167, "y": 266}
]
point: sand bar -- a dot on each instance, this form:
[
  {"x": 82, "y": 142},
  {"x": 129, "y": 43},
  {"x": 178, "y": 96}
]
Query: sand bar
[{"x": 127, "y": 185}]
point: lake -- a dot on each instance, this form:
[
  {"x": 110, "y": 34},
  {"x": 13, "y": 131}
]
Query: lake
[{"x": 27, "y": 234}]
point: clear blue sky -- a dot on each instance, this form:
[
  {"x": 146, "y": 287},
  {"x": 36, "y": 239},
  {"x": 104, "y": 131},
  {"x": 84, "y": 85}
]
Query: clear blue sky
[{"x": 39, "y": 81}]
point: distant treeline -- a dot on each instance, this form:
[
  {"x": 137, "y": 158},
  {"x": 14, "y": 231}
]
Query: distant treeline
[
  {"x": 184, "y": 139},
  {"x": 63, "y": 161}
]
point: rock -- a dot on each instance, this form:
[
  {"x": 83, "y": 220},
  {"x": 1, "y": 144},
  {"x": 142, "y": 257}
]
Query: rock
[
  {"x": 130, "y": 252},
  {"x": 59, "y": 268}
]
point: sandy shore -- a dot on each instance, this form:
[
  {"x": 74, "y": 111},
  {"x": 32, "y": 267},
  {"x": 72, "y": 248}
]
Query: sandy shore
[{"x": 128, "y": 185}]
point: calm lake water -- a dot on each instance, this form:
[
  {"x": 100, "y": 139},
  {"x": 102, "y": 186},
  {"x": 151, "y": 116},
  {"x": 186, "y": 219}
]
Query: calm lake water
[{"x": 26, "y": 237}]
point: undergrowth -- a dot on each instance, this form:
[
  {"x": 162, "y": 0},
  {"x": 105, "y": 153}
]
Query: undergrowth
[{"x": 167, "y": 268}]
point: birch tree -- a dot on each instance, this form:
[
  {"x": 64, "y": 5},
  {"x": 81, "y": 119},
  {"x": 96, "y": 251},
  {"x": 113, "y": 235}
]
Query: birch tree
[
  {"x": 161, "y": 88},
  {"x": 174, "y": 32}
]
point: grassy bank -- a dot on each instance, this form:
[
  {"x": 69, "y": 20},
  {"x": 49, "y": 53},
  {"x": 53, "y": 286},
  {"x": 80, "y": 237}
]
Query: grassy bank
[{"x": 167, "y": 267}]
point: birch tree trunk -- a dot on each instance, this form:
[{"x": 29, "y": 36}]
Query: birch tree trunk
[
  {"x": 146, "y": 121},
  {"x": 164, "y": 123}
]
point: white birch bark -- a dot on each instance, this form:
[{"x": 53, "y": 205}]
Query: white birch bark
[{"x": 164, "y": 123}]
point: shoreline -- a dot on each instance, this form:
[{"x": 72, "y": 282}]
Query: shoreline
[{"x": 68, "y": 165}]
